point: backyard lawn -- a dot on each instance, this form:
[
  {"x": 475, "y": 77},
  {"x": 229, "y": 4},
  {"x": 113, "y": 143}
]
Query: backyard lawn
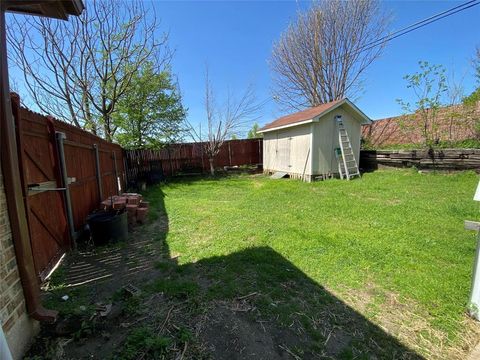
[
  {"x": 392, "y": 246},
  {"x": 247, "y": 267}
]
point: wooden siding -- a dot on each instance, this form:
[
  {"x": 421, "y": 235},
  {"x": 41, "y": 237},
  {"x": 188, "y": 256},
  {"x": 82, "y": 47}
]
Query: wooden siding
[
  {"x": 325, "y": 140},
  {"x": 288, "y": 150}
]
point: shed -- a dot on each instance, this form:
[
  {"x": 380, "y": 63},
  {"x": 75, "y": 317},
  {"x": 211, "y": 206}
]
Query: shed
[{"x": 304, "y": 144}]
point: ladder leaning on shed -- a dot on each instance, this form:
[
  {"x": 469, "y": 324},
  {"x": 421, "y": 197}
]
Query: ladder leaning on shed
[{"x": 347, "y": 165}]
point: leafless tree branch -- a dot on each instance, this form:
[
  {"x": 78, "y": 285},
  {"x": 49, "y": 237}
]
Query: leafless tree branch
[
  {"x": 322, "y": 56},
  {"x": 78, "y": 70},
  {"x": 224, "y": 121}
]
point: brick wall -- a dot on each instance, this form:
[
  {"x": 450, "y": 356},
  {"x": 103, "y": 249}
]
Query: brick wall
[
  {"x": 455, "y": 123},
  {"x": 18, "y": 327}
]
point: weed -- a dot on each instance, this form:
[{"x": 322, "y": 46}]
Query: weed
[
  {"x": 175, "y": 287},
  {"x": 184, "y": 335},
  {"x": 143, "y": 342},
  {"x": 163, "y": 265}
]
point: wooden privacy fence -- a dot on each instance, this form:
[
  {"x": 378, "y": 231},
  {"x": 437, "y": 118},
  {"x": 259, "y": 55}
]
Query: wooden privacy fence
[
  {"x": 152, "y": 165},
  {"x": 442, "y": 159},
  {"x": 66, "y": 173}
]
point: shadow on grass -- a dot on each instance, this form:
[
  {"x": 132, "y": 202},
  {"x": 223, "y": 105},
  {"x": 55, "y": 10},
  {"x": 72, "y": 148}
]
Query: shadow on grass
[
  {"x": 252, "y": 304},
  {"x": 266, "y": 305}
]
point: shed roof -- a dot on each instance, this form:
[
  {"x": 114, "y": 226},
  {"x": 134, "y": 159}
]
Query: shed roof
[{"x": 308, "y": 115}]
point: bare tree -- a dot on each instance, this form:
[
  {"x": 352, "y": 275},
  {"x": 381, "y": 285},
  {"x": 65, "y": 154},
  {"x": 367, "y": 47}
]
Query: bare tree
[
  {"x": 471, "y": 102},
  {"x": 455, "y": 112},
  {"x": 78, "y": 70},
  {"x": 222, "y": 122},
  {"x": 322, "y": 56},
  {"x": 46, "y": 61}
]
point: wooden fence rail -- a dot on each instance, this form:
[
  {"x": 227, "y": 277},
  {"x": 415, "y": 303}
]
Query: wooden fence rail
[{"x": 152, "y": 165}]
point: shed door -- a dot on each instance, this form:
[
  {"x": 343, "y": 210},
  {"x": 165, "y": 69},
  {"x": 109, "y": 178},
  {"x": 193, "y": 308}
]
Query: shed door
[{"x": 283, "y": 153}]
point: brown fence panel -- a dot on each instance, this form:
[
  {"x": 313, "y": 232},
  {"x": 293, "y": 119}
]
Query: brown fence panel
[
  {"x": 150, "y": 165},
  {"x": 45, "y": 212},
  {"x": 81, "y": 168},
  {"x": 42, "y": 182}
]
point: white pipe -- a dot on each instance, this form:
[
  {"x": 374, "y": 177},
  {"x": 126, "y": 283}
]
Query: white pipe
[{"x": 4, "y": 349}]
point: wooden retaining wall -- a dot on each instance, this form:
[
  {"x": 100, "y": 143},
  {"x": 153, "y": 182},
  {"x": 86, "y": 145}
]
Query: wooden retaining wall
[{"x": 443, "y": 159}]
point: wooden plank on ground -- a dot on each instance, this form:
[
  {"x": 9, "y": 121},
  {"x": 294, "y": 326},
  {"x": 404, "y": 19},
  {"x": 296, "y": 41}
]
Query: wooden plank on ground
[{"x": 472, "y": 225}]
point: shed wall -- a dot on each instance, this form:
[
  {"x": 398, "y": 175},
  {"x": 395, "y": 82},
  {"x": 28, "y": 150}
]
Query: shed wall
[
  {"x": 288, "y": 150},
  {"x": 325, "y": 140}
]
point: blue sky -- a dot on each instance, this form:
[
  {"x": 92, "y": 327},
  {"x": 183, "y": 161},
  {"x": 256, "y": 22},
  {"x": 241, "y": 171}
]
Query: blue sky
[{"x": 235, "y": 38}]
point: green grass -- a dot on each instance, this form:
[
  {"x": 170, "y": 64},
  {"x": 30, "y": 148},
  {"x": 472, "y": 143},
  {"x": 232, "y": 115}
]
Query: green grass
[{"x": 393, "y": 232}]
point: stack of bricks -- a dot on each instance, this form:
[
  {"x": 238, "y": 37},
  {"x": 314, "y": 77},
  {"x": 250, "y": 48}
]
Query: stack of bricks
[{"x": 136, "y": 208}]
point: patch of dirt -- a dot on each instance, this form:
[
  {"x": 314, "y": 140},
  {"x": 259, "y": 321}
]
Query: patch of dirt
[
  {"x": 336, "y": 342},
  {"x": 231, "y": 334}
]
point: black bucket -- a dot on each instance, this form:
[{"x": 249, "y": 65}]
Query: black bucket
[{"x": 108, "y": 227}]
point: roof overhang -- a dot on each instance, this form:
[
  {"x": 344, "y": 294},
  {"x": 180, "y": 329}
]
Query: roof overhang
[
  {"x": 57, "y": 9},
  {"x": 315, "y": 119},
  {"x": 365, "y": 119}
]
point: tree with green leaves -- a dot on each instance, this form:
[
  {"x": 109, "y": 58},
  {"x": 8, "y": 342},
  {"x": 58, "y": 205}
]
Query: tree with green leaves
[
  {"x": 151, "y": 114},
  {"x": 253, "y": 132},
  {"x": 428, "y": 85}
]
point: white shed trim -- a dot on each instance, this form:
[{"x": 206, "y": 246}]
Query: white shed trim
[
  {"x": 290, "y": 125},
  {"x": 366, "y": 119}
]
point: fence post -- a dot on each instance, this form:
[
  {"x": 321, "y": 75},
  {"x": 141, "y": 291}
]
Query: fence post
[
  {"x": 260, "y": 157},
  {"x": 229, "y": 154},
  {"x": 201, "y": 154},
  {"x": 60, "y": 136},
  {"x": 126, "y": 168},
  {"x": 169, "y": 160},
  {"x": 98, "y": 173},
  {"x": 115, "y": 170}
]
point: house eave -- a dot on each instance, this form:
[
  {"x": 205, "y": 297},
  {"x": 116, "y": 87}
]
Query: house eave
[{"x": 56, "y": 9}]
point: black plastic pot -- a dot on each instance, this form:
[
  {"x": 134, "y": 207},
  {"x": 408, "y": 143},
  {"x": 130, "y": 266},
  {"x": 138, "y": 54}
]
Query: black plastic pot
[{"x": 108, "y": 227}]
